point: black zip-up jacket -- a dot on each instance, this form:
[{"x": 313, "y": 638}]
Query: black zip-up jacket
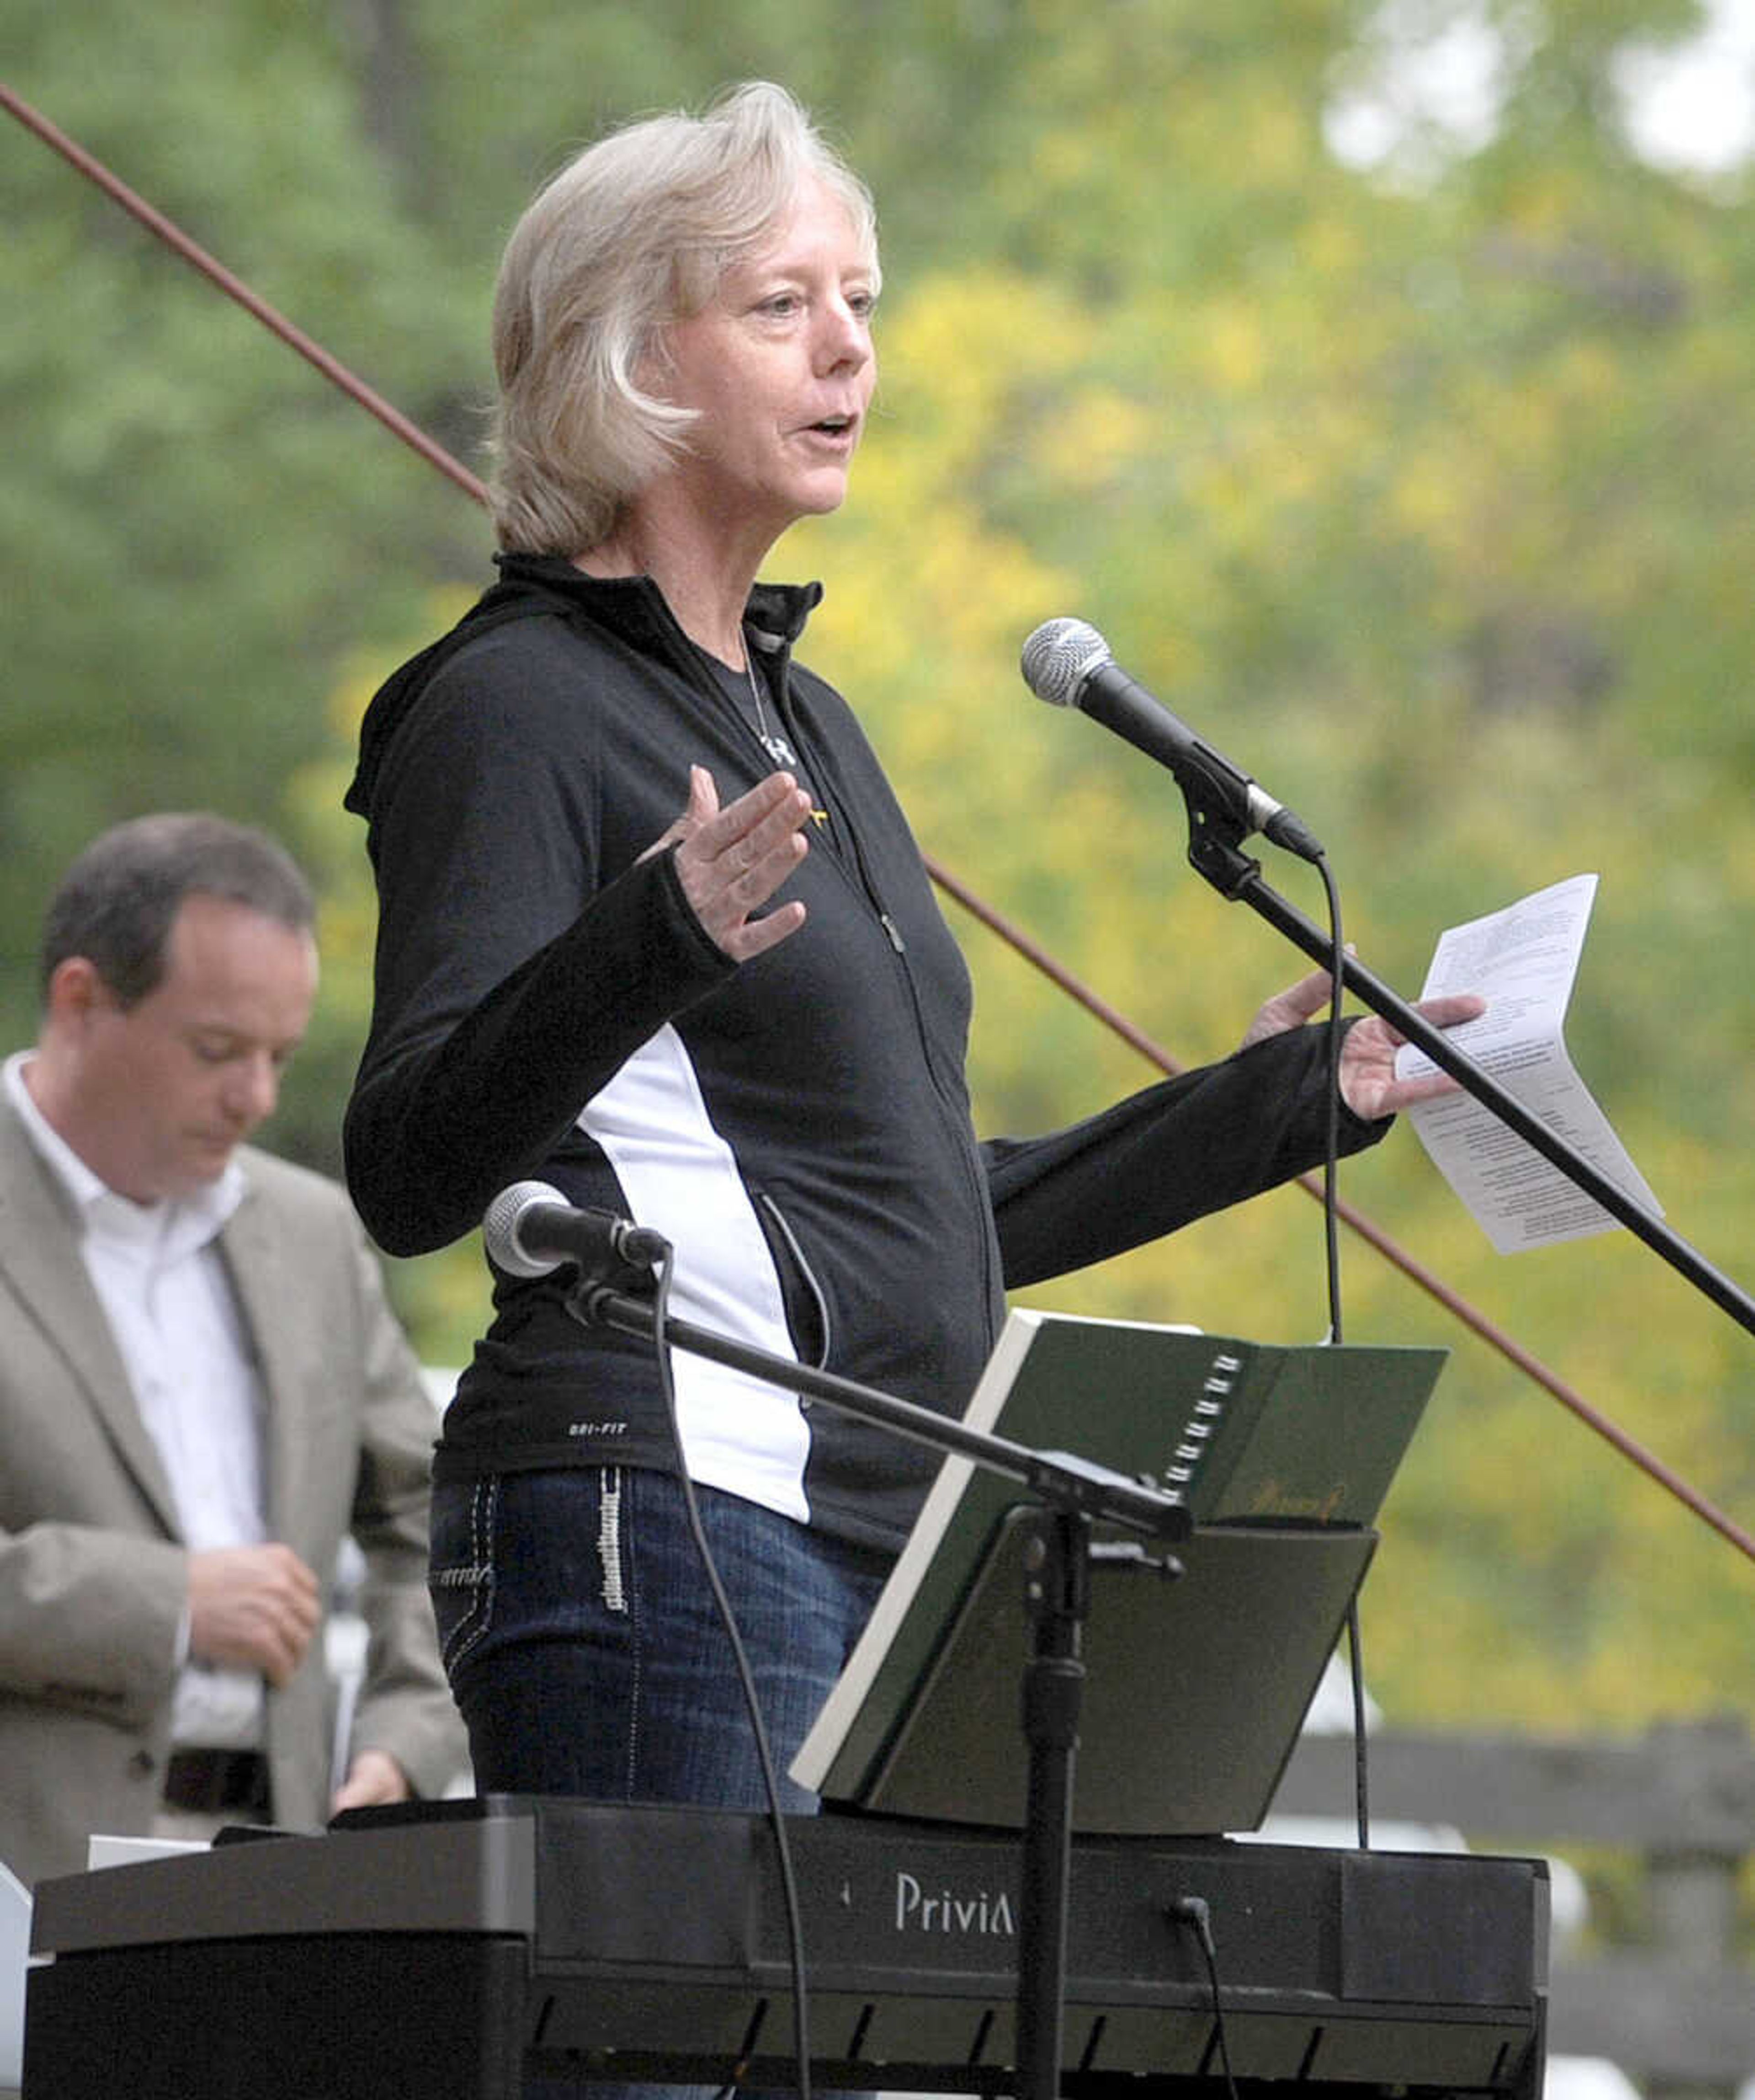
[{"x": 548, "y": 1007}]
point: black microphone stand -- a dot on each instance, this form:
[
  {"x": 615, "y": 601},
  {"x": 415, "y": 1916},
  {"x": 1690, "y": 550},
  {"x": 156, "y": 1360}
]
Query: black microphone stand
[
  {"x": 1075, "y": 1494},
  {"x": 1218, "y": 821}
]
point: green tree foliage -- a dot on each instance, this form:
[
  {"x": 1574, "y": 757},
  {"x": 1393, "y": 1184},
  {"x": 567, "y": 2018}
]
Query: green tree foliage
[{"x": 1424, "y": 488}]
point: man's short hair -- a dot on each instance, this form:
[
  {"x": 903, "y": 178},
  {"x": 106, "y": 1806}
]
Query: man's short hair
[
  {"x": 634, "y": 234},
  {"x": 118, "y": 902}
]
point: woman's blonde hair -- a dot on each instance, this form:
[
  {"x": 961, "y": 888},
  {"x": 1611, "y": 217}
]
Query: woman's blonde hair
[{"x": 634, "y": 234}]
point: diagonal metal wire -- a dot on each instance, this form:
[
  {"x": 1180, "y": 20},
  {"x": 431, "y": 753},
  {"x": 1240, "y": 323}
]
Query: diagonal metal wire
[
  {"x": 1458, "y": 1306},
  {"x": 234, "y": 288}
]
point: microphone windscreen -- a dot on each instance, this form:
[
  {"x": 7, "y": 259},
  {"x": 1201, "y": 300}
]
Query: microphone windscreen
[
  {"x": 1059, "y": 657},
  {"x": 500, "y": 1225}
]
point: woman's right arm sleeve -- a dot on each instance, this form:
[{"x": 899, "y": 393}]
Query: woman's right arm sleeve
[{"x": 508, "y": 986}]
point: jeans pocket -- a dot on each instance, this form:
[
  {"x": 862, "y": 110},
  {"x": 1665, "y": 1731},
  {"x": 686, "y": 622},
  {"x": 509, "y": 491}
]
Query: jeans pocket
[{"x": 460, "y": 1568}]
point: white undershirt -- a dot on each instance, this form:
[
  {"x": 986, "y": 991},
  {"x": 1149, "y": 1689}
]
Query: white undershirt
[{"x": 159, "y": 1273}]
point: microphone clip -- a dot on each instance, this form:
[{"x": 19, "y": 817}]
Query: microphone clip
[
  {"x": 1216, "y": 832},
  {"x": 592, "y": 1299}
]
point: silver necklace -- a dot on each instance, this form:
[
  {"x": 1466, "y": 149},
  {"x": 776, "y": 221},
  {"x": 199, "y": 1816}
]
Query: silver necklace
[{"x": 773, "y": 742}]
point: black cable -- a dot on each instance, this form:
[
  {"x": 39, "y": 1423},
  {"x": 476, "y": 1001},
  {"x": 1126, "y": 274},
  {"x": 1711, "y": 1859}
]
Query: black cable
[
  {"x": 1330, "y": 1217},
  {"x": 1331, "y": 1161},
  {"x": 1361, "y": 1773},
  {"x": 795, "y": 1924},
  {"x": 1193, "y": 1911}
]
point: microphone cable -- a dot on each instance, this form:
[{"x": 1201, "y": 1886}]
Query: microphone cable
[
  {"x": 1194, "y": 1913},
  {"x": 1331, "y": 1161},
  {"x": 664, "y": 1272},
  {"x": 1337, "y": 1035}
]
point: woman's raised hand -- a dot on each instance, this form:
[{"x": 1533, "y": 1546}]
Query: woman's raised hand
[{"x": 731, "y": 861}]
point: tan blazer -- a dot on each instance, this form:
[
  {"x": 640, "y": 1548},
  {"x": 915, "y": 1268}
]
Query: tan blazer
[{"x": 92, "y": 1581}]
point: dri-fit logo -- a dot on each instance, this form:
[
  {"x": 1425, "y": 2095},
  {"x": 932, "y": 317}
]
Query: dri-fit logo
[{"x": 975, "y": 1917}]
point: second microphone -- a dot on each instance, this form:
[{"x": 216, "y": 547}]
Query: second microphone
[{"x": 530, "y": 1230}]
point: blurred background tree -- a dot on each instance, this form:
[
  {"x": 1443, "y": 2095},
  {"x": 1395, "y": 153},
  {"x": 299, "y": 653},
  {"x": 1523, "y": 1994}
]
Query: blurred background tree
[{"x": 1375, "y": 377}]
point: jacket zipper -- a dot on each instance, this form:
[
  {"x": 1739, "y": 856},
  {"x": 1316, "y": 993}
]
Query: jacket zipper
[{"x": 955, "y": 1122}]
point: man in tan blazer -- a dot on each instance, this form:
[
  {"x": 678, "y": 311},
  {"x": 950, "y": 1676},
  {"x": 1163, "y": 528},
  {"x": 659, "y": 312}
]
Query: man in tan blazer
[{"x": 202, "y": 1388}]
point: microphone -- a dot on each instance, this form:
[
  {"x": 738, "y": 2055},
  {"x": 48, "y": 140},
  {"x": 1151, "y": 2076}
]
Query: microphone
[
  {"x": 530, "y": 1230},
  {"x": 1068, "y": 663}
]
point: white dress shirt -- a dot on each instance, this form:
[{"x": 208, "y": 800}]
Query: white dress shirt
[{"x": 162, "y": 1281}]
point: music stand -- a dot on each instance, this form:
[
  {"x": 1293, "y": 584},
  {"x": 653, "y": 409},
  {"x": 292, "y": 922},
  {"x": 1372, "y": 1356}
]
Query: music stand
[{"x": 1196, "y": 1684}]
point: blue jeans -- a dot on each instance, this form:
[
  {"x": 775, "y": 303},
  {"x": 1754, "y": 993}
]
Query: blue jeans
[
  {"x": 587, "y": 1656},
  {"x": 585, "y": 1650}
]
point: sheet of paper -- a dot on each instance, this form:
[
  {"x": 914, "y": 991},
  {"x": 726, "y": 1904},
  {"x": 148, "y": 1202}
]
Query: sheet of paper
[{"x": 1523, "y": 960}]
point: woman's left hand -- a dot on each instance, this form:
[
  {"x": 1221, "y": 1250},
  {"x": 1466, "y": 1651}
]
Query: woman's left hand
[{"x": 1368, "y": 1085}]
